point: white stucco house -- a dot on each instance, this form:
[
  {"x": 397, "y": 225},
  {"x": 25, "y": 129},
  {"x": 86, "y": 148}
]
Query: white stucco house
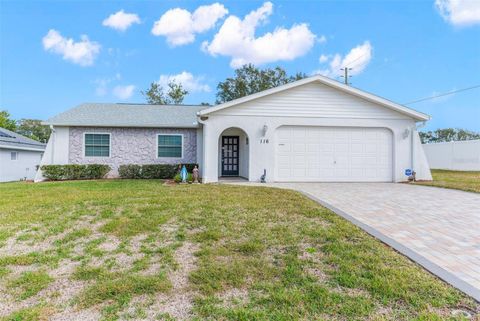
[
  {"x": 313, "y": 130},
  {"x": 19, "y": 156}
]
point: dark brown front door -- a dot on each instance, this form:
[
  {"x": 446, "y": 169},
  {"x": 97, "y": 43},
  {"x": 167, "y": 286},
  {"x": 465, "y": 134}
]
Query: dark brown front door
[{"x": 230, "y": 155}]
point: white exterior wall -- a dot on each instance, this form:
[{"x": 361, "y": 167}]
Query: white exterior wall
[
  {"x": 61, "y": 146},
  {"x": 200, "y": 149},
  {"x": 24, "y": 167},
  {"x": 420, "y": 163},
  {"x": 460, "y": 155},
  {"x": 308, "y": 105},
  {"x": 56, "y": 151},
  {"x": 312, "y": 100}
]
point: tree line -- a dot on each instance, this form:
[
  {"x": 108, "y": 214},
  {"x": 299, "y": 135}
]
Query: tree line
[
  {"x": 247, "y": 80},
  {"x": 447, "y": 135},
  {"x": 31, "y": 128}
]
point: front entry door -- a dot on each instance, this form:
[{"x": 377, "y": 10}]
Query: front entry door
[{"x": 230, "y": 155}]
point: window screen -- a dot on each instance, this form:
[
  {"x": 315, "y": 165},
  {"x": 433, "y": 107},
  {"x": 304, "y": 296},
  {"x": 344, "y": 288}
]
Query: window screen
[
  {"x": 97, "y": 145},
  {"x": 170, "y": 146}
]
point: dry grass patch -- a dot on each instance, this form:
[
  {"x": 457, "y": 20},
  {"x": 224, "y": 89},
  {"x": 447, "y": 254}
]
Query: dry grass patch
[{"x": 178, "y": 302}]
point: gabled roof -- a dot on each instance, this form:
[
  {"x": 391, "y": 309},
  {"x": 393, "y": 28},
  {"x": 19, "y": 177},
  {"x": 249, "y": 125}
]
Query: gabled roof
[
  {"x": 326, "y": 81},
  {"x": 11, "y": 140},
  {"x": 128, "y": 115}
]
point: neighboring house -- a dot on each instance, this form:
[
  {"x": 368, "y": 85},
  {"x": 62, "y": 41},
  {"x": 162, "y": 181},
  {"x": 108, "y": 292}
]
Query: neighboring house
[
  {"x": 457, "y": 155},
  {"x": 314, "y": 129},
  {"x": 19, "y": 156}
]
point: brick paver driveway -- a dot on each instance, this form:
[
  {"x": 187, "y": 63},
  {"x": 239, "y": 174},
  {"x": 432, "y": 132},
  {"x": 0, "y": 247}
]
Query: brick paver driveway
[{"x": 438, "y": 228}]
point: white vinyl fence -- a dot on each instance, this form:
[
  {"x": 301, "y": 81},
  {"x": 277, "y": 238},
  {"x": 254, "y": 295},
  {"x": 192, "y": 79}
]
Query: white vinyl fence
[{"x": 459, "y": 155}]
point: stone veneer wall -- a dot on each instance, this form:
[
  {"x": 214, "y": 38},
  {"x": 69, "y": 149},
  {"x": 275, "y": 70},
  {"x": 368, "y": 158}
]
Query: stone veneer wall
[{"x": 131, "y": 146}]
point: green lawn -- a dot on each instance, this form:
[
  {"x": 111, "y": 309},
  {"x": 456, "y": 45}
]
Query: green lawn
[
  {"x": 142, "y": 250},
  {"x": 465, "y": 181}
]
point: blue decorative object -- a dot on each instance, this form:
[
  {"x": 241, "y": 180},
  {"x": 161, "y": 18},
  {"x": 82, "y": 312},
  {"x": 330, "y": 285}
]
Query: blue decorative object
[
  {"x": 184, "y": 174},
  {"x": 408, "y": 172}
]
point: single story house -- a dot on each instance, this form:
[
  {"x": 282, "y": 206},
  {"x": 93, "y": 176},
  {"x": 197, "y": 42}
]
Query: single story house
[
  {"x": 19, "y": 156},
  {"x": 315, "y": 129}
]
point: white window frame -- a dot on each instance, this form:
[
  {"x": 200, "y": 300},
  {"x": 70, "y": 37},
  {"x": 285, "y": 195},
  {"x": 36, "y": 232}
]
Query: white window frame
[
  {"x": 16, "y": 156},
  {"x": 173, "y": 134},
  {"x": 98, "y": 133}
]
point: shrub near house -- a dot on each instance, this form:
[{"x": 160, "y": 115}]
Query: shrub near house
[
  {"x": 98, "y": 171},
  {"x": 73, "y": 171},
  {"x": 152, "y": 171}
]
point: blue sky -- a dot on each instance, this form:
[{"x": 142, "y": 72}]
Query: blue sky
[{"x": 55, "y": 55}]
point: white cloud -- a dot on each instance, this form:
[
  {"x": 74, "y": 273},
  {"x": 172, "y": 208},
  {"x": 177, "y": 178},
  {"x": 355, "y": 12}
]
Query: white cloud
[
  {"x": 358, "y": 58},
  {"x": 323, "y": 58},
  {"x": 121, "y": 20},
  {"x": 101, "y": 88},
  {"x": 102, "y": 84},
  {"x": 189, "y": 82},
  {"x": 322, "y": 39},
  {"x": 459, "y": 12},
  {"x": 236, "y": 39},
  {"x": 180, "y": 26},
  {"x": 82, "y": 52},
  {"x": 123, "y": 92}
]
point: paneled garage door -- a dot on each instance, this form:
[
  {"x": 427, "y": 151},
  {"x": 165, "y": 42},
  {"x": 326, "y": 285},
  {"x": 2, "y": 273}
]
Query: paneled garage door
[{"x": 333, "y": 154}]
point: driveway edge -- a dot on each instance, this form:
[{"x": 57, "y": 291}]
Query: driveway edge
[{"x": 414, "y": 256}]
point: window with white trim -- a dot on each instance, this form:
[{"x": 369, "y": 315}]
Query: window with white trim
[
  {"x": 97, "y": 145},
  {"x": 13, "y": 156},
  {"x": 170, "y": 146}
]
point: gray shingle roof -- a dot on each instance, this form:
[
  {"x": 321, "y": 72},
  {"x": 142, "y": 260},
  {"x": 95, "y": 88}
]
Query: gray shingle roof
[
  {"x": 128, "y": 115},
  {"x": 13, "y": 140}
]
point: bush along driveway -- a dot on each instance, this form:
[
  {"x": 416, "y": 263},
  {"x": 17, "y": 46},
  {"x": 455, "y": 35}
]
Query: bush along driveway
[{"x": 135, "y": 249}]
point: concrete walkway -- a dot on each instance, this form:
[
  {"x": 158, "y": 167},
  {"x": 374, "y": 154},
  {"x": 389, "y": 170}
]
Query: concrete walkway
[{"x": 438, "y": 228}]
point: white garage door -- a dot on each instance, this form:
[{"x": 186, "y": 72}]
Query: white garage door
[{"x": 333, "y": 154}]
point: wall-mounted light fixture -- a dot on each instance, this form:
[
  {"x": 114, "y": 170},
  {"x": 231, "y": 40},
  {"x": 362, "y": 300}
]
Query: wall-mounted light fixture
[
  {"x": 265, "y": 129},
  {"x": 406, "y": 132}
]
